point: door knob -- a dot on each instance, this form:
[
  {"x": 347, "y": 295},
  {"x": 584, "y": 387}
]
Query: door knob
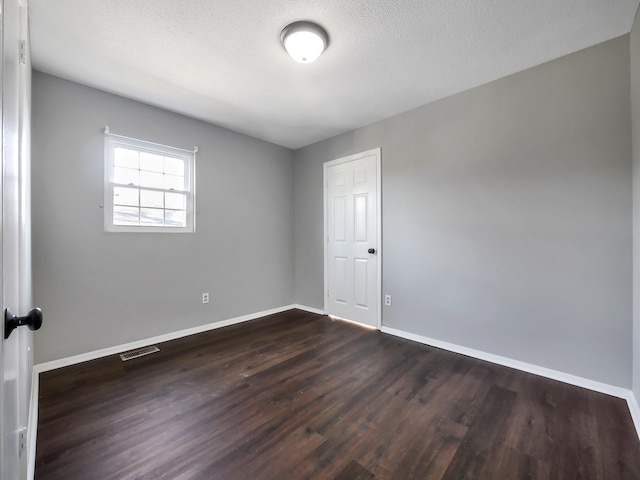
[
  {"x": 33, "y": 320},
  {"x": 372, "y": 251}
]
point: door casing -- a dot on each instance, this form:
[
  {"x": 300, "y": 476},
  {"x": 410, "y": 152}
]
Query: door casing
[{"x": 15, "y": 266}]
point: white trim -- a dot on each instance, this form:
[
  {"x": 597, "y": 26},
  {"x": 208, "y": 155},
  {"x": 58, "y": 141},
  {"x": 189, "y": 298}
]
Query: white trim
[
  {"x": 84, "y": 357},
  {"x": 107, "y": 131},
  {"x": 379, "y": 251},
  {"x": 111, "y": 142},
  {"x": 517, "y": 364},
  {"x": 309, "y": 309},
  {"x": 634, "y": 410},
  {"x": 32, "y": 426}
]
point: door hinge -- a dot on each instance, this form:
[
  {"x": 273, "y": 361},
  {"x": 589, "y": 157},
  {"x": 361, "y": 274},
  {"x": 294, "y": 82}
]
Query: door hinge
[
  {"x": 22, "y": 440},
  {"x": 23, "y": 52}
]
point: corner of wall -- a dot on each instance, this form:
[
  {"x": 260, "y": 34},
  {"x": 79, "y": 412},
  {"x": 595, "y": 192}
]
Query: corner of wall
[{"x": 634, "y": 53}]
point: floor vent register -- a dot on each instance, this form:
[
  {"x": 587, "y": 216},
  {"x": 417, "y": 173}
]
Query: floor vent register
[{"x": 141, "y": 352}]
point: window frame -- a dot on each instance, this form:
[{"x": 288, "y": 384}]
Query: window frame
[{"x": 111, "y": 142}]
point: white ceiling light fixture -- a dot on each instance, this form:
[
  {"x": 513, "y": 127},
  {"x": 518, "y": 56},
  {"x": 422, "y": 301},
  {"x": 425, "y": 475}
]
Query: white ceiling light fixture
[{"x": 304, "y": 41}]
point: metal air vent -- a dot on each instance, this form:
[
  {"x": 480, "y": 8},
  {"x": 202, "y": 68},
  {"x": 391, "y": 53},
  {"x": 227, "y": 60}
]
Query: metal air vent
[{"x": 141, "y": 352}]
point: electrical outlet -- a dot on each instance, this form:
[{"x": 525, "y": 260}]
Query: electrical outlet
[
  {"x": 205, "y": 298},
  {"x": 387, "y": 300}
]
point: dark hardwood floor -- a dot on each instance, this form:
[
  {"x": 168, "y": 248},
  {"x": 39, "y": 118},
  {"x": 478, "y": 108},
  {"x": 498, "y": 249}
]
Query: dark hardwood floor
[{"x": 299, "y": 396}]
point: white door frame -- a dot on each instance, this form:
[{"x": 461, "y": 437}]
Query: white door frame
[
  {"x": 15, "y": 234},
  {"x": 378, "y": 257}
]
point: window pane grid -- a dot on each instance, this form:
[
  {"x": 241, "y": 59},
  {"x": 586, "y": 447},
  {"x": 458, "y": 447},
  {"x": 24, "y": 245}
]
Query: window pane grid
[
  {"x": 156, "y": 217},
  {"x": 148, "y": 170},
  {"x": 132, "y": 185},
  {"x": 131, "y": 208},
  {"x": 150, "y": 188}
]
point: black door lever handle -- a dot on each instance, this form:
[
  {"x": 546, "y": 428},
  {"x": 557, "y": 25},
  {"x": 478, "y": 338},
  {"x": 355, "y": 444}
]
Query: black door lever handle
[{"x": 33, "y": 320}]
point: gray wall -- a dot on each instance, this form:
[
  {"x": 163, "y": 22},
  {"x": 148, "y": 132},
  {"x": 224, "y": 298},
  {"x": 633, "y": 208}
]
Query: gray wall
[
  {"x": 507, "y": 220},
  {"x": 506, "y": 213},
  {"x": 102, "y": 289},
  {"x": 635, "y": 111}
]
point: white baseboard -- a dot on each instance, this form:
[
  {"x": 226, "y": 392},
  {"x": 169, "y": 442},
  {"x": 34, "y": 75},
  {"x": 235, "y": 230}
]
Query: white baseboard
[
  {"x": 529, "y": 368},
  {"x": 634, "y": 409},
  {"x": 309, "y": 309},
  {"x": 104, "y": 352}
]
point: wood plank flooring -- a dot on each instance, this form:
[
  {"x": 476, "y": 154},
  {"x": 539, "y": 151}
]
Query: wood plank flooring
[{"x": 298, "y": 396}]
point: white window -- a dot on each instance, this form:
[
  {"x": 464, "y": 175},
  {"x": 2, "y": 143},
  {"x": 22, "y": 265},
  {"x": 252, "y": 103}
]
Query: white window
[{"x": 148, "y": 187}]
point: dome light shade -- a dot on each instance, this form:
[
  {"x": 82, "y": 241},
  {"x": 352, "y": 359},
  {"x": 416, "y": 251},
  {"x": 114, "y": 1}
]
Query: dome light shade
[{"x": 304, "y": 41}]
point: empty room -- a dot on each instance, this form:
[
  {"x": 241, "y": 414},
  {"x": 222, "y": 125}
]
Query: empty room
[{"x": 333, "y": 240}]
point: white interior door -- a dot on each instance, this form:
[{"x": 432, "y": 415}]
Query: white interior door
[
  {"x": 352, "y": 230},
  {"x": 15, "y": 283}
]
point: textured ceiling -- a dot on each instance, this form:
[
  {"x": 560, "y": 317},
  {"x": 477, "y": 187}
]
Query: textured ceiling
[{"x": 221, "y": 60}]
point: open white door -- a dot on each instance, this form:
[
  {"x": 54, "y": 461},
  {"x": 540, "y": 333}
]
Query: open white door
[
  {"x": 15, "y": 265},
  {"x": 353, "y": 239}
]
